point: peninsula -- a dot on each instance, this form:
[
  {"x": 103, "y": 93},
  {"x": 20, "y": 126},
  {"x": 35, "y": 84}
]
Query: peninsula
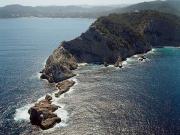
[{"x": 109, "y": 40}]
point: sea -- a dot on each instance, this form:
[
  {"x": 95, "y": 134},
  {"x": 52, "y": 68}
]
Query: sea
[{"x": 142, "y": 98}]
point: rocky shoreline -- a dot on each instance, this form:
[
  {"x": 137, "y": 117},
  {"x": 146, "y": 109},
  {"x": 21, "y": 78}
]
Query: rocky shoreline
[
  {"x": 109, "y": 41},
  {"x": 43, "y": 114}
]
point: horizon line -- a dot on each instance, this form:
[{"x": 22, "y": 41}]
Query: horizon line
[{"x": 88, "y": 5}]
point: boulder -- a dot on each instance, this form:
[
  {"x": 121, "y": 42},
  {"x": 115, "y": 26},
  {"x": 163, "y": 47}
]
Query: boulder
[
  {"x": 46, "y": 105},
  {"x": 48, "y": 97},
  {"x": 41, "y": 114},
  {"x": 50, "y": 122},
  {"x": 106, "y": 64},
  {"x": 118, "y": 63},
  {"x": 64, "y": 86},
  {"x": 142, "y": 58},
  {"x": 35, "y": 116}
]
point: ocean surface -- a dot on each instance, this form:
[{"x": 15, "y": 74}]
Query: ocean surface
[{"x": 142, "y": 98}]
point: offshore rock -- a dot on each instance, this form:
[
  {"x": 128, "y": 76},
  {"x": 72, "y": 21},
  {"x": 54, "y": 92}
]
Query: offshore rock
[
  {"x": 63, "y": 87},
  {"x": 42, "y": 114}
]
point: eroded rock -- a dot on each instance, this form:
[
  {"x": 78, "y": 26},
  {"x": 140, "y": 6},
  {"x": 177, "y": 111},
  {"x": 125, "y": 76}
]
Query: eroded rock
[
  {"x": 59, "y": 66},
  {"x": 64, "y": 86},
  {"x": 48, "y": 98},
  {"x": 50, "y": 122},
  {"x": 42, "y": 113},
  {"x": 118, "y": 63}
]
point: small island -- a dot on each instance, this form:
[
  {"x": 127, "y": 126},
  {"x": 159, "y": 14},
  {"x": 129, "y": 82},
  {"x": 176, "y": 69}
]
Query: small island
[{"x": 109, "y": 40}]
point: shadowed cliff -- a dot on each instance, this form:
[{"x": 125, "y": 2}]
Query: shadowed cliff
[{"x": 111, "y": 39}]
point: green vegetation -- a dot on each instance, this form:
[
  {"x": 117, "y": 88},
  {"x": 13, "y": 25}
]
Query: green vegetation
[
  {"x": 124, "y": 29},
  {"x": 168, "y": 6}
]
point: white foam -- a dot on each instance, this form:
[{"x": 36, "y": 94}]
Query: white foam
[
  {"x": 77, "y": 74},
  {"x": 136, "y": 56},
  {"x": 41, "y": 98},
  {"x": 110, "y": 65},
  {"x": 153, "y": 50},
  {"x": 44, "y": 62},
  {"x": 82, "y": 64},
  {"x": 134, "y": 59},
  {"x": 21, "y": 114},
  {"x": 124, "y": 63},
  {"x": 63, "y": 114},
  {"x": 75, "y": 80},
  {"x": 36, "y": 76},
  {"x": 131, "y": 59}
]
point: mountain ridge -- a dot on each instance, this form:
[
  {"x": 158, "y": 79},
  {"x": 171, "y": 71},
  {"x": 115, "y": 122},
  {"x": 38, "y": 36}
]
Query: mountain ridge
[{"x": 16, "y": 11}]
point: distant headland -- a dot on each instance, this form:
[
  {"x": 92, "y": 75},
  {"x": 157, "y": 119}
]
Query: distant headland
[{"x": 18, "y": 11}]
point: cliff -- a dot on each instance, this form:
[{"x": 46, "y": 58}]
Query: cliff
[{"x": 111, "y": 39}]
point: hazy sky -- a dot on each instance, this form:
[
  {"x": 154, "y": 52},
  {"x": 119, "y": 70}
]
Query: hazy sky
[{"x": 68, "y": 2}]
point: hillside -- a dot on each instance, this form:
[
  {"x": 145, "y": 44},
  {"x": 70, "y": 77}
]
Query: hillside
[
  {"x": 112, "y": 39},
  {"x": 169, "y": 6},
  {"x": 15, "y": 11}
]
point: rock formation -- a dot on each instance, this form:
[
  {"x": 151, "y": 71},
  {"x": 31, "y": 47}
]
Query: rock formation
[
  {"x": 59, "y": 66},
  {"x": 42, "y": 114},
  {"x": 112, "y": 38},
  {"x": 109, "y": 40},
  {"x": 63, "y": 87}
]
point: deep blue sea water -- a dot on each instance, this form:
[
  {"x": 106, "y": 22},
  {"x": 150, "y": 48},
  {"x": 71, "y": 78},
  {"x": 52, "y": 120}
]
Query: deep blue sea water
[
  {"x": 143, "y": 98},
  {"x": 25, "y": 44}
]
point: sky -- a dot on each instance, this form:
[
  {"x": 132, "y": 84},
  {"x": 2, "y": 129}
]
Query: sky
[{"x": 68, "y": 2}]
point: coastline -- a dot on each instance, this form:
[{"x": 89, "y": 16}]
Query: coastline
[
  {"x": 60, "y": 128},
  {"x": 22, "y": 114},
  {"x": 60, "y": 111},
  {"x": 140, "y": 95}
]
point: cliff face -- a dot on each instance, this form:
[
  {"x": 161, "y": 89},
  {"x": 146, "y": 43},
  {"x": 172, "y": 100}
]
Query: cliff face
[
  {"x": 59, "y": 65},
  {"x": 157, "y": 29},
  {"x": 112, "y": 39}
]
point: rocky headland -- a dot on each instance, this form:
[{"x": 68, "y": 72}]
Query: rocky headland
[
  {"x": 112, "y": 39},
  {"x": 42, "y": 113},
  {"x": 109, "y": 40}
]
